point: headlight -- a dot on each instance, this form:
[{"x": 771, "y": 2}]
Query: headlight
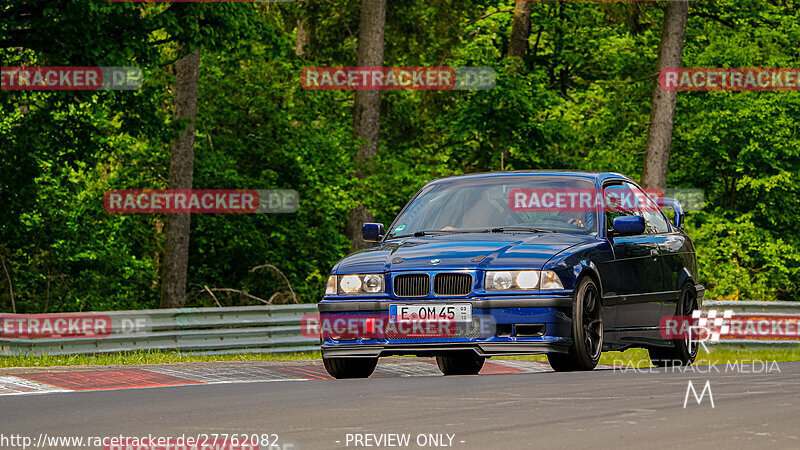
[
  {"x": 498, "y": 280},
  {"x": 355, "y": 284},
  {"x": 373, "y": 283},
  {"x": 522, "y": 280},
  {"x": 528, "y": 279},
  {"x": 330, "y": 286},
  {"x": 350, "y": 284}
]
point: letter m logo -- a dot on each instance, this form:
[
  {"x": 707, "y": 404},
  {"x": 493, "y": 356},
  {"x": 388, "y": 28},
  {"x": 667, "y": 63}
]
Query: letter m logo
[{"x": 690, "y": 388}]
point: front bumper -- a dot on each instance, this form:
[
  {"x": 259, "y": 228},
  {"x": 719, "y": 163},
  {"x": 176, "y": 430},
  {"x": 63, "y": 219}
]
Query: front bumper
[
  {"x": 330, "y": 306},
  {"x": 432, "y": 349},
  {"x": 498, "y": 320}
]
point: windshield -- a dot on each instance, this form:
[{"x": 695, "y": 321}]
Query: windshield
[{"x": 500, "y": 204}]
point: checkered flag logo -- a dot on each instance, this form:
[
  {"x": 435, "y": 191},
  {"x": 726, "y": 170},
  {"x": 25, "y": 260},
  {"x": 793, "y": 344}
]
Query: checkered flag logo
[{"x": 714, "y": 324}]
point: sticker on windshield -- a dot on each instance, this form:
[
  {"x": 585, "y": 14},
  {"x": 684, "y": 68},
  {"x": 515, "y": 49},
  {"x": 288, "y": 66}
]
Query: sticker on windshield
[{"x": 400, "y": 228}]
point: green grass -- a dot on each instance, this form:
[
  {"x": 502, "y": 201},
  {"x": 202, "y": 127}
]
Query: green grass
[
  {"x": 719, "y": 354},
  {"x": 146, "y": 358},
  {"x": 638, "y": 357}
]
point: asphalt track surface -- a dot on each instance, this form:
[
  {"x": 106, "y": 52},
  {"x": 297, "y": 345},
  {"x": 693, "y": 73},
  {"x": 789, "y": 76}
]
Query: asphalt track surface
[{"x": 755, "y": 406}]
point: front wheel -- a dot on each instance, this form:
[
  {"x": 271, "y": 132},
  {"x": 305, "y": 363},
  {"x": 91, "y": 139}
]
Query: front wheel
[
  {"x": 587, "y": 331},
  {"x": 350, "y": 367},
  {"x": 460, "y": 363}
]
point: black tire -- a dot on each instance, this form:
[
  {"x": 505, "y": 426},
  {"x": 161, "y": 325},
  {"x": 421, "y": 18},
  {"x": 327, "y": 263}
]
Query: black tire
[
  {"x": 683, "y": 353},
  {"x": 587, "y": 331},
  {"x": 350, "y": 367},
  {"x": 460, "y": 363}
]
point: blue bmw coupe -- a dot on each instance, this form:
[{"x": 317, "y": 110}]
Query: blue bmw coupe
[{"x": 563, "y": 263}]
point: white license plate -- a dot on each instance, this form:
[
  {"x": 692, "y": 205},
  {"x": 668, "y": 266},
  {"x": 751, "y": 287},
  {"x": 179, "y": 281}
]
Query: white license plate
[{"x": 459, "y": 312}]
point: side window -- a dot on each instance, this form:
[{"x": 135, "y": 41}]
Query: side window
[
  {"x": 619, "y": 201},
  {"x": 654, "y": 221}
]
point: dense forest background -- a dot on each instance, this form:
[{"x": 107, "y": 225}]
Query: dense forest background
[{"x": 579, "y": 99}]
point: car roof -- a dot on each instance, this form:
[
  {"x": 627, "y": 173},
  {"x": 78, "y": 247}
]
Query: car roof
[{"x": 596, "y": 176}]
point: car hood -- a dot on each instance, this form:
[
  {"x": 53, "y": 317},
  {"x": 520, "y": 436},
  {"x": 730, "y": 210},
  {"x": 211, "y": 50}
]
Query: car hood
[{"x": 461, "y": 251}]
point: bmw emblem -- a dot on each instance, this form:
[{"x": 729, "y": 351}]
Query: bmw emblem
[{"x": 435, "y": 261}]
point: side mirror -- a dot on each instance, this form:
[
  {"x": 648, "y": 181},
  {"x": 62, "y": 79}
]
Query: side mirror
[
  {"x": 628, "y": 225},
  {"x": 676, "y": 206},
  {"x": 372, "y": 232}
]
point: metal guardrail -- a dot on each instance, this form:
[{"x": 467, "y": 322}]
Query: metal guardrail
[
  {"x": 247, "y": 329},
  {"x": 753, "y": 307}
]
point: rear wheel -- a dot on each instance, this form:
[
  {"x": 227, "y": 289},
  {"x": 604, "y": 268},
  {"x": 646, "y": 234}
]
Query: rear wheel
[
  {"x": 587, "y": 331},
  {"x": 350, "y": 367},
  {"x": 684, "y": 351},
  {"x": 460, "y": 363}
]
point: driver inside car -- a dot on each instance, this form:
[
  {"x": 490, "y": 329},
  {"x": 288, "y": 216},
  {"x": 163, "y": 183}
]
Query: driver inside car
[{"x": 577, "y": 218}]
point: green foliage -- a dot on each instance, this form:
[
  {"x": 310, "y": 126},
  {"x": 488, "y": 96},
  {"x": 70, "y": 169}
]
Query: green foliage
[{"x": 742, "y": 261}]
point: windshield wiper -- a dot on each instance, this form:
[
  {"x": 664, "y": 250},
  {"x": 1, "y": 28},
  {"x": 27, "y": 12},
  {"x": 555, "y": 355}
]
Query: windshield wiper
[
  {"x": 456, "y": 231},
  {"x": 522, "y": 229},
  {"x": 423, "y": 233}
]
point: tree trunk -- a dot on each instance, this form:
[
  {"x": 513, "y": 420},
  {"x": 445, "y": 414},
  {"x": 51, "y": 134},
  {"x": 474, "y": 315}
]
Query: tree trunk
[
  {"x": 662, "y": 111},
  {"x": 366, "y": 108},
  {"x": 303, "y": 33},
  {"x": 181, "y": 171},
  {"x": 521, "y": 29}
]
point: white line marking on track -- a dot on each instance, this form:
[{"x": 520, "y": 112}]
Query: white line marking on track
[{"x": 11, "y": 385}]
